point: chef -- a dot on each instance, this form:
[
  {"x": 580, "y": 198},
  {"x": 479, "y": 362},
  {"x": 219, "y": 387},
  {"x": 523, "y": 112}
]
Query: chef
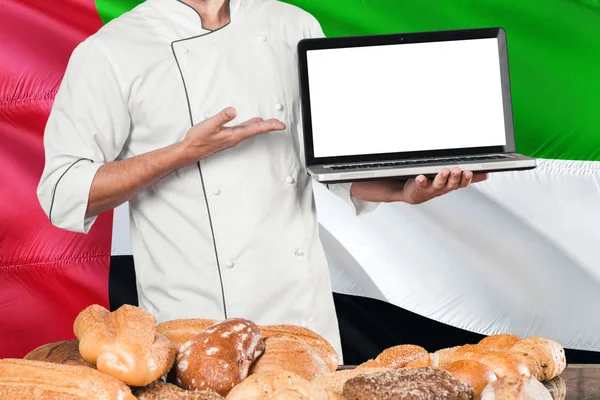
[{"x": 189, "y": 111}]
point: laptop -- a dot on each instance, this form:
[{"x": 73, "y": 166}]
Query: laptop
[{"x": 402, "y": 105}]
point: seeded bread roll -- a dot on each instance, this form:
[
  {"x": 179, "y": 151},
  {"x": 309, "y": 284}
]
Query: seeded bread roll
[
  {"x": 399, "y": 356},
  {"x": 408, "y": 384},
  {"x": 64, "y": 352},
  {"x": 502, "y": 342},
  {"x": 474, "y": 373},
  {"x": 549, "y": 354},
  {"x": 165, "y": 391},
  {"x": 516, "y": 388},
  {"x": 443, "y": 357},
  {"x": 219, "y": 357},
  {"x": 289, "y": 353}
]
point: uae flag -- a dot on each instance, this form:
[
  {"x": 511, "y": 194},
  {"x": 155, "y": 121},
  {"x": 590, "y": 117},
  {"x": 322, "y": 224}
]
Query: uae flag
[{"x": 518, "y": 253}]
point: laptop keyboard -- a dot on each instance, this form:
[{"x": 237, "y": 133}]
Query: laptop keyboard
[{"x": 404, "y": 163}]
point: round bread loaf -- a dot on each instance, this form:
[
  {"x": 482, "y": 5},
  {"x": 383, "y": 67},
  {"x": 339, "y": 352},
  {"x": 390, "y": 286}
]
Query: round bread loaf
[
  {"x": 289, "y": 353},
  {"x": 504, "y": 363},
  {"x": 319, "y": 344},
  {"x": 502, "y": 342},
  {"x": 549, "y": 354},
  {"x": 179, "y": 331},
  {"x": 262, "y": 385},
  {"x": 516, "y": 388},
  {"x": 467, "y": 352},
  {"x": 443, "y": 357},
  {"x": 165, "y": 391},
  {"x": 334, "y": 382},
  {"x": 407, "y": 384},
  {"x": 557, "y": 388},
  {"x": 399, "y": 356},
  {"x": 473, "y": 372},
  {"x": 219, "y": 357},
  {"x": 64, "y": 352}
]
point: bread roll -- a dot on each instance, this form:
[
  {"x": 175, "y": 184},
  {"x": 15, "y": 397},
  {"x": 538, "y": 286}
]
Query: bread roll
[
  {"x": 303, "y": 391},
  {"x": 180, "y": 331},
  {"x": 369, "y": 364},
  {"x": 289, "y": 353},
  {"x": 502, "y": 342},
  {"x": 160, "y": 390},
  {"x": 533, "y": 365},
  {"x": 334, "y": 381},
  {"x": 262, "y": 385},
  {"x": 124, "y": 344},
  {"x": 219, "y": 357},
  {"x": 443, "y": 357},
  {"x": 32, "y": 380},
  {"x": 468, "y": 351},
  {"x": 399, "y": 356},
  {"x": 516, "y": 388},
  {"x": 557, "y": 388},
  {"x": 424, "y": 360},
  {"x": 503, "y": 363},
  {"x": 319, "y": 344},
  {"x": 63, "y": 352},
  {"x": 474, "y": 373},
  {"x": 549, "y": 354}
]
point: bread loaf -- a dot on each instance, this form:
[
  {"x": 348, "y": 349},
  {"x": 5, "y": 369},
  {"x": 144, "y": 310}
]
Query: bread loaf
[
  {"x": 549, "y": 354},
  {"x": 369, "y": 364},
  {"x": 124, "y": 344},
  {"x": 64, "y": 352},
  {"x": 409, "y": 383},
  {"x": 219, "y": 357},
  {"x": 443, "y": 357},
  {"x": 468, "y": 351},
  {"x": 516, "y": 388},
  {"x": 502, "y": 342},
  {"x": 319, "y": 344},
  {"x": 503, "y": 363},
  {"x": 334, "y": 381},
  {"x": 180, "y": 331},
  {"x": 289, "y": 353},
  {"x": 474, "y": 373},
  {"x": 303, "y": 391},
  {"x": 399, "y": 356},
  {"x": 160, "y": 390},
  {"x": 262, "y": 385},
  {"x": 424, "y": 360},
  {"x": 32, "y": 380}
]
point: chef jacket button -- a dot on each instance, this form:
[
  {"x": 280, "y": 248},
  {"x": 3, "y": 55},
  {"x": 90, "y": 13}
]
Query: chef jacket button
[
  {"x": 299, "y": 252},
  {"x": 262, "y": 38},
  {"x": 278, "y": 106},
  {"x": 217, "y": 192},
  {"x": 290, "y": 180},
  {"x": 229, "y": 264}
]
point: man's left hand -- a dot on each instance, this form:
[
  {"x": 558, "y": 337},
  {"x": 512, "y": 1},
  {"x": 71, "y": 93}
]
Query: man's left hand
[{"x": 415, "y": 190}]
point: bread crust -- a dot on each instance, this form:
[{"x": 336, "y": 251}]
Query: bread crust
[{"x": 63, "y": 352}]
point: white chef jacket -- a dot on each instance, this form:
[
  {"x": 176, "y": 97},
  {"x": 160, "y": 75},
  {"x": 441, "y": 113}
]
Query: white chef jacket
[{"x": 235, "y": 235}]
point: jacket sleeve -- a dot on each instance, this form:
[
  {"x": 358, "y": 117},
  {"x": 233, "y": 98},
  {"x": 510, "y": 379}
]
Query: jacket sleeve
[
  {"x": 87, "y": 127},
  {"x": 341, "y": 189}
]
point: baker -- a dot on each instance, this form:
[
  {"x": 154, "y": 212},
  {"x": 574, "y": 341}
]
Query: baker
[{"x": 189, "y": 111}]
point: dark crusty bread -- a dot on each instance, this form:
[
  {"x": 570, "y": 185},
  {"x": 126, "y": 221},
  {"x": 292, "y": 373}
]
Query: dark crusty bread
[
  {"x": 165, "y": 391},
  {"x": 408, "y": 384},
  {"x": 63, "y": 352}
]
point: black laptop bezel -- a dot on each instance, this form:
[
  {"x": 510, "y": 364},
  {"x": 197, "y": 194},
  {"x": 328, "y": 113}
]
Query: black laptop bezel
[{"x": 306, "y": 45}]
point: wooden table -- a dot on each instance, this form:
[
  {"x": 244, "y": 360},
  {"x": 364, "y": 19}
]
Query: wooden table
[{"x": 582, "y": 381}]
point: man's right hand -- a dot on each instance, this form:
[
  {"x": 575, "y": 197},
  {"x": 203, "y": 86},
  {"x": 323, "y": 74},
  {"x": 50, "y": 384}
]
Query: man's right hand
[{"x": 211, "y": 136}]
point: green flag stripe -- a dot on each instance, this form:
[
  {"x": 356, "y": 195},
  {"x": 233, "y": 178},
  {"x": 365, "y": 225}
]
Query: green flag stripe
[{"x": 554, "y": 52}]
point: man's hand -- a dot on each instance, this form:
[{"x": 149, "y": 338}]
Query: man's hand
[
  {"x": 211, "y": 136},
  {"x": 416, "y": 190}
]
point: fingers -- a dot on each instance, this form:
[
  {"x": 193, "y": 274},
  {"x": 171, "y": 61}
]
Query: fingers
[
  {"x": 466, "y": 179},
  {"x": 251, "y": 121},
  {"x": 479, "y": 178},
  {"x": 242, "y": 132},
  {"x": 454, "y": 180},
  {"x": 225, "y": 116},
  {"x": 439, "y": 182}
]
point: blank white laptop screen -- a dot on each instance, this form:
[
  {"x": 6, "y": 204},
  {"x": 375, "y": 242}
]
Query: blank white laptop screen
[{"x": 407, "y": 97}]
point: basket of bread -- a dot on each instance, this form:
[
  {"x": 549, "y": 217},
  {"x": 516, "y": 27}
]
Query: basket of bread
[{"x": 126, "y": 355}]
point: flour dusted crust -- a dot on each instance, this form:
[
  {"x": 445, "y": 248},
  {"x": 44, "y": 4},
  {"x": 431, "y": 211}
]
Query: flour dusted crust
[
  {"x": 124, "y": 344},
  {"x": 63, "y": 352},
  {"x": 516, "y": 388},
  {"x": 443, "y": 357},
  {"x": 407, "y": 384},
  {"x": 165, "y": 391},
  {"x": 289, "y": 353},
  {"x": 29, "y": 380},
  {"x": 180, "y": 331},
  {"x": 219, "y": 357}
]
